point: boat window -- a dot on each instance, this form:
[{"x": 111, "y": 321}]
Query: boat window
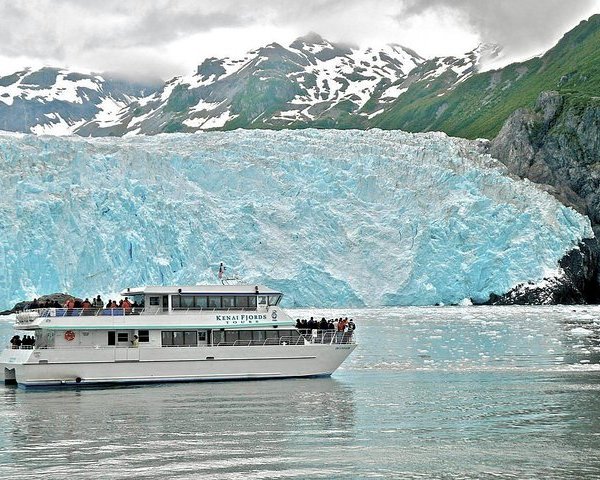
[
  {"x": 258, "y": 335},
  {"x": 231, "y": 336},
  {"x": 144, "y": 335},
  {"x": 202, "y": 336},
  {"x": 154, "y": 301},
  {"x": 175, "y": 301},
  {"x": 122, "y": 337},
  {"x": 274, "y": 299},
  {"x": 179, "y": 338},
  {"x": 241, "y": 302},
  {"x": 218, "y": 337},
  {"x": 214, "y": 302},
  {"x": 190, "y": 339},
  {"x": 272, "y": 337},
  {"x": 252, "y": 302},
  {"x": 137, "y": 298},
  {"x": 228, "y": 302},
  {"x": 262, "y": 300},
  {"x": 111, "y": 338},
  {"x": 187, "y": 302},
  {"x": 245, "y": 335},
  {"x": 200, "y": 302}
]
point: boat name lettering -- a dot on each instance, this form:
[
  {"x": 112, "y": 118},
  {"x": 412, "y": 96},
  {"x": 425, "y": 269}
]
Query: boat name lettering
[{"x": 241, "y": 318}]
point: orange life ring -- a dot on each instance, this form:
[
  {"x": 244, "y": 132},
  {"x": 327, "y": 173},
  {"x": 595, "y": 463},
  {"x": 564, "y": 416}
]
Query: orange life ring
[{"x": 69, "y": 335}]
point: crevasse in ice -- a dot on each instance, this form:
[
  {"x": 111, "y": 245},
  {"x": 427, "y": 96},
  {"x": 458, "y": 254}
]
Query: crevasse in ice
[{"x": 332, "y": 218}]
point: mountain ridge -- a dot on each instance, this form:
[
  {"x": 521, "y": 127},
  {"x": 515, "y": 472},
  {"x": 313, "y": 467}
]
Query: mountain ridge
[{"x": 311, "y": 83}]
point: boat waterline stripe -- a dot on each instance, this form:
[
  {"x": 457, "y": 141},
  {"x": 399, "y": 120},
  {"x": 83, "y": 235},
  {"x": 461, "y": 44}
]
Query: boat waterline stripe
[{"x": 157, "y": 377}]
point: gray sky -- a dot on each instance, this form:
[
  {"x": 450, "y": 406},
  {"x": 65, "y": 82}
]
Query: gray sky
[{"x": 166, "y": 38}]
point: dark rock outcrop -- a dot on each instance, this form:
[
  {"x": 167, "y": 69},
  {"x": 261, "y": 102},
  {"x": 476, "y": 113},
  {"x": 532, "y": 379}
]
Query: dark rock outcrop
[
  {"x": 557, "y": 145},
  {"x": 53, "y": 297},
  {"x": 577, "y": 285}
]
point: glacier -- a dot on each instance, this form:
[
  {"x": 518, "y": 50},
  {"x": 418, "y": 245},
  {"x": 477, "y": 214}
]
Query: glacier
[{"x": 332, "y": 218}]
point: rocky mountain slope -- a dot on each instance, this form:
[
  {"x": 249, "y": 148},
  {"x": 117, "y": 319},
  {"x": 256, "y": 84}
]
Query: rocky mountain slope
[
  {"x": 479, "y": 106},
  {"x": 310, "y": 83},
  {"x": 557, "y": 143},
  {"x": 58, "y": 101}
]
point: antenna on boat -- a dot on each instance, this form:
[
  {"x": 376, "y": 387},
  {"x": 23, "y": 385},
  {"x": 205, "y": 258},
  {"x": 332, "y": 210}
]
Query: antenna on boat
[{"x": 231, "y": 279}]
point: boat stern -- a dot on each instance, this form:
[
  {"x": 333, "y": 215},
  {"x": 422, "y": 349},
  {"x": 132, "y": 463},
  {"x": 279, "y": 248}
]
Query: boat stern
[{"x": 10, "y": 360}]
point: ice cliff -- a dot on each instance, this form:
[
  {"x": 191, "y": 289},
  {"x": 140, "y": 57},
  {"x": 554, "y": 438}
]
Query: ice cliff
[{"x": 329, "y": 217}]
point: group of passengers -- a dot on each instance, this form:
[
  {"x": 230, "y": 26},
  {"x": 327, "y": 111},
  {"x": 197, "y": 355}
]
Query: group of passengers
[
  {"x": 47, "y": 304},
  {"x": 336, "y": 325},
  {"x": 75, "y": 303},
  {"x": 26, "y": 342},
  {"x": 98, "y": 303}
]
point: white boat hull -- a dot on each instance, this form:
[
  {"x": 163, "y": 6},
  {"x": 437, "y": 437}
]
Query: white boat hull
[{"x": 45, "y": 367}]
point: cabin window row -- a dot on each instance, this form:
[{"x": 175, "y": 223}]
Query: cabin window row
[
  {"x": 255, "y": 336},
  {"x": 209, "y": 302}
]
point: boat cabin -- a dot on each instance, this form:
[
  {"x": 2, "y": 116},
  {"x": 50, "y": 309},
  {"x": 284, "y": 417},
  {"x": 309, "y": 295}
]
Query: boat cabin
[{"x": 157, "y": 300}]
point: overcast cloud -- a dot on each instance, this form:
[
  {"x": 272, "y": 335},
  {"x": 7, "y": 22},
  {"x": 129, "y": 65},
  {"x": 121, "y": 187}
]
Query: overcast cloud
[{"x": 164, "y": 38}]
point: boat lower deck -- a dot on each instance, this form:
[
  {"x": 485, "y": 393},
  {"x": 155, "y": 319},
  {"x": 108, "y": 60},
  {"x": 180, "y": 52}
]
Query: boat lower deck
[{"x": 72, "y": 366}]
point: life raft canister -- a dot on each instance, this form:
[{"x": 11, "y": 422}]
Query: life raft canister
[{"x": 69, "y": 335}]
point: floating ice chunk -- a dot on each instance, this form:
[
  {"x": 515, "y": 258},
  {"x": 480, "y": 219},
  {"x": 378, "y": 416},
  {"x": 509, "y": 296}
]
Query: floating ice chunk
[{"x": 581, "y": 332}]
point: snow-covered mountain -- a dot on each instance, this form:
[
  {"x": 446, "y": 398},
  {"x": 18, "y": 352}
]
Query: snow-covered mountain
[
  {"x": 330, "y": 217},
  {"x": 311, "y": 82},
  {"x": 57, "y": 101}
]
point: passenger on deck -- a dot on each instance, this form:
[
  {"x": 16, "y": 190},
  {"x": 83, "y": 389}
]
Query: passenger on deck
[
  {"x": 70, "y": 303},
  {"x": 126, "y": 305},
  {"x": 323, "y": 324},
  {"x": 15, "y": 342},
  {"x": 343, "y": 324},
  {"x": 351, "y": 326},
  {"x": 113, "y": 304},
  {"x": 86, "y": 304},
  {"x": 298, "y": 324},
  {"x": 135, "y": 343},
  {"x": 304, "y": 325},
  {"x": 97, "y": 302},
  {"x": 109, "y": 304},
  {"x": 34, "y": 304},
  {"x": 78, "y": 303}
]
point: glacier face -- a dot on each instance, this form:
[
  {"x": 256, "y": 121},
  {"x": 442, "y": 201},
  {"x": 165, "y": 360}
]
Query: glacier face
[{"x": 332, "y": 218}]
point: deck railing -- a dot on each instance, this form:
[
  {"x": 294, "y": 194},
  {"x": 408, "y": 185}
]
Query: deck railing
[
  {"x": 29, "y": 316},
  {"x": 321, "y": 337}
]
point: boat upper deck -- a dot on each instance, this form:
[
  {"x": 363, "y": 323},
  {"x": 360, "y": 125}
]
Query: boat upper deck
[{"x": 202, "y": 306}]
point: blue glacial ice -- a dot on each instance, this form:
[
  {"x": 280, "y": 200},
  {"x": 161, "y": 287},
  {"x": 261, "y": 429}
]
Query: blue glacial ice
[{"x": 332, "y": 218}]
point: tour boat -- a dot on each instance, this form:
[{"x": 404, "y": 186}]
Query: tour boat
[{"x": 174, "y": 334}]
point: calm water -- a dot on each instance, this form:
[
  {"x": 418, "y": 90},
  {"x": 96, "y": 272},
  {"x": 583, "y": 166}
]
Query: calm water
[{"x": 506, "y": 392}]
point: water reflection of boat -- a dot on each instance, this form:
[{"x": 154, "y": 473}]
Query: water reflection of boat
[{"x": 211, "y": 332}]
